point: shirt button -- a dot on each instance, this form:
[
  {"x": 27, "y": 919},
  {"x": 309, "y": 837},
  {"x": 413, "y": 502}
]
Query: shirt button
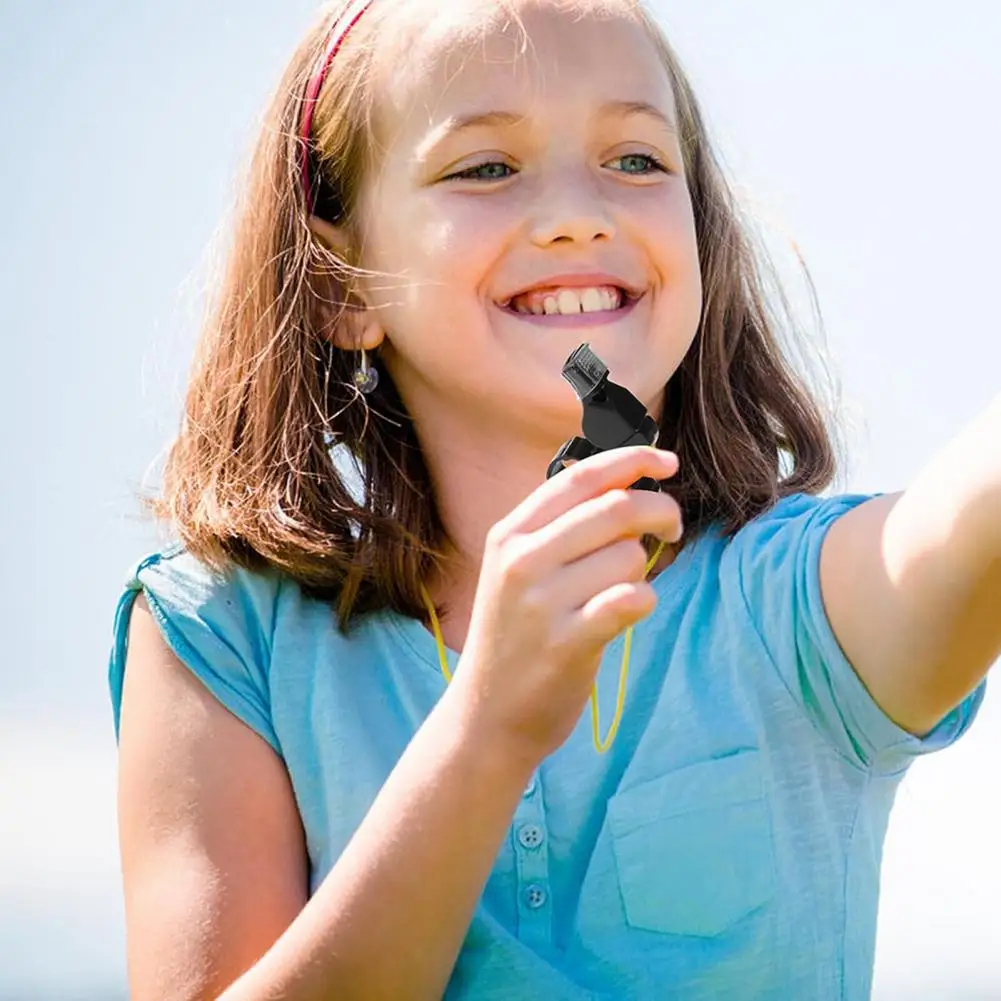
[
  {"x": 535, "y": 896},
  {"x": 531, "y": 836}
]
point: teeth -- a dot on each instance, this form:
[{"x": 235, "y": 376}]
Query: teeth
[{"x": 568, "y": 301}]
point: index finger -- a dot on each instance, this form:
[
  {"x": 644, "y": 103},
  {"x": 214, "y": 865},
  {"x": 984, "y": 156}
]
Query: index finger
[{"x": 616, "y": 469}]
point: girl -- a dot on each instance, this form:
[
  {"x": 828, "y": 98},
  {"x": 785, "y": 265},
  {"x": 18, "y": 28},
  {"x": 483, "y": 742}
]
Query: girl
[{"x": 356, "y": 760}]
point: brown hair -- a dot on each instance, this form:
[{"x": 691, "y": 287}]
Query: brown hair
[{"x": 250, "y": 478}]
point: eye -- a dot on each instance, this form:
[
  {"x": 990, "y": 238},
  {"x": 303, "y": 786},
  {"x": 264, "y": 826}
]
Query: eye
[
  {"x": 639, "y": 164},
  {"x": 492, "y": 170}
]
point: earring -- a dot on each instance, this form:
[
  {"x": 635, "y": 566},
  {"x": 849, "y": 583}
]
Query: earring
[{"x": 366, "y": 376}]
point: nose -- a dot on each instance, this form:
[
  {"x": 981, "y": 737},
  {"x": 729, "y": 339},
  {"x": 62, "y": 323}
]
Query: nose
[{"x": 572, "y": 212}]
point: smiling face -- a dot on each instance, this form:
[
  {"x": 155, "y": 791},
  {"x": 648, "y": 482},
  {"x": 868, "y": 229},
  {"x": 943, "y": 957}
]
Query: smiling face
[{"x": 528, "y": 198}]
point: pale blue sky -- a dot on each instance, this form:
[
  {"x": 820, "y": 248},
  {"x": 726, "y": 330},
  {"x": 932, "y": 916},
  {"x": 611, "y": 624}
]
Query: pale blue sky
[{"x": 867, "y": 131}]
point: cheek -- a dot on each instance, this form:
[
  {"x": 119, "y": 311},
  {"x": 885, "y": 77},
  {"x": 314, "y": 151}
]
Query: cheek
[
  {"x": 676, "y": 249},
  {"x": 448, "y": 265},
  {"x": 437, "y": 254},
  {"x": 431, "y": 268},
  {"x": 666, "y": 227},
  {"x": 465, "y": 236},
  {"x": 673, "y": 224}
]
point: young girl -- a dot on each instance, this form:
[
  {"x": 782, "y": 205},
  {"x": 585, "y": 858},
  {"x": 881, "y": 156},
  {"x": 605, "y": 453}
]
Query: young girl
[{"x": 357, "y": 759}]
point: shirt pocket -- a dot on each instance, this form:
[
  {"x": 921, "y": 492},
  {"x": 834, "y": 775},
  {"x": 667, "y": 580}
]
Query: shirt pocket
[{"x": 693, "y": 849}]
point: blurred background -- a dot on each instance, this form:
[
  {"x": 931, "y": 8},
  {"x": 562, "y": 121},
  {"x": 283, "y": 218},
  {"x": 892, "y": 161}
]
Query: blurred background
[{"x": 865, "y": 131}]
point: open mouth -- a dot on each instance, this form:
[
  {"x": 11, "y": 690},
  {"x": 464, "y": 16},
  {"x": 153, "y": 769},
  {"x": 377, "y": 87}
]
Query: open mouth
[{"x": 572, "y": 302}]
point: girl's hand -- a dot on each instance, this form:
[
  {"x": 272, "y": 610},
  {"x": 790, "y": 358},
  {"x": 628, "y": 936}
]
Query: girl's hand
[{"x": 562, "y": 575}]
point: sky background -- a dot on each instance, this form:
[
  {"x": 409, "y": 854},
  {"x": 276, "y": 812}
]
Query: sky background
[{"x": 865, "y": 131}]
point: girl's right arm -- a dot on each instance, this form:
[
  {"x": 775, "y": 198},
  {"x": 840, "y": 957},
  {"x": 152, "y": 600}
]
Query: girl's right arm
[
  {"x": 213, "y": 854},
  {"x": 214, "y": 863}
]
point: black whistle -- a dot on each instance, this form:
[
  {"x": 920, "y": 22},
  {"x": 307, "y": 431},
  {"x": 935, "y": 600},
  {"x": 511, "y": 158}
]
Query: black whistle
[{"x": 613, "y": 417}]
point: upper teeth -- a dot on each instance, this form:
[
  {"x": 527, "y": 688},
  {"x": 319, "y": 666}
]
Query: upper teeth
[{"x": 568, "y": 301}]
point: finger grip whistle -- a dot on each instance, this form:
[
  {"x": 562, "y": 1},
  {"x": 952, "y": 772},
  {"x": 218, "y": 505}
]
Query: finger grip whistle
[{"x": 613, "y": 417}]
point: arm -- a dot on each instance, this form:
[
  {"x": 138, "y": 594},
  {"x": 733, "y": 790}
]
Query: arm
[
  {"x": 215, "y": 867},
  {"x": 912, "y": 582}
]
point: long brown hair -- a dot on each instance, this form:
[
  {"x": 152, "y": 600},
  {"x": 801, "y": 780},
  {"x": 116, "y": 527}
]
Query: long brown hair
[{"x": 250, "y": 477}]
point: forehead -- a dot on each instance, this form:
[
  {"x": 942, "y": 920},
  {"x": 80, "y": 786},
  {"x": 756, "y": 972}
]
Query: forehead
[{"x": 473, "y": 57}]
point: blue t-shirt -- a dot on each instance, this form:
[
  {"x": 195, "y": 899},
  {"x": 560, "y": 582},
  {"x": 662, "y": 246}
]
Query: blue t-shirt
[{"x": 727, "y": 846}]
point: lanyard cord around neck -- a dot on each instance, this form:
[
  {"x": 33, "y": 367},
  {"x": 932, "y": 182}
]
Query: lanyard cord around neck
[{"x": 600, "y": 745}]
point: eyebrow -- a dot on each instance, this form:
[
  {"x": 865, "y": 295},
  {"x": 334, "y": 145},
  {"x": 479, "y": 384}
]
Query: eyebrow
[
  {"x": 627, "y": 108},
  {"x": 487, "y": 119}
]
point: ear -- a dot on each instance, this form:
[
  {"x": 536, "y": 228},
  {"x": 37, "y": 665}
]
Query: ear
[
  {"x": 356, "y": 327},
  {"x": 332, "y": 237}
]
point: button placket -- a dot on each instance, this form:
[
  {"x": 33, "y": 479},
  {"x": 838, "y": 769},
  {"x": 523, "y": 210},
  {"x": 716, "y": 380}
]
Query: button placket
[{"x": 530, "y": 838}]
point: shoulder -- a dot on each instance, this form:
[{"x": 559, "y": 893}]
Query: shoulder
[
  {"x": 219, "y": 622},
  {"x": 792, "y": 528},
  {"x": 175, "y": 574},
  {"x": 800, "y": 510}
]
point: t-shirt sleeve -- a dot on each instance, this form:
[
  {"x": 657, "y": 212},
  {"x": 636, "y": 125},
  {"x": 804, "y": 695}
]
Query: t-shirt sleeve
[
  {"x": 772, "y": 574},
  {"x": 218, "y": 625}
]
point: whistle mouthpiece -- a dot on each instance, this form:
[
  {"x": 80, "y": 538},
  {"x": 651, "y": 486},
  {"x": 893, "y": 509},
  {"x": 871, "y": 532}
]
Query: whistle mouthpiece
[{"x": 585, "y": 371}]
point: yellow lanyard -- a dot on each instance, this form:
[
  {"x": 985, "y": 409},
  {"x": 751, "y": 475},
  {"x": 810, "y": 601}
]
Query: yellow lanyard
[{"x": 600, "y": 745}]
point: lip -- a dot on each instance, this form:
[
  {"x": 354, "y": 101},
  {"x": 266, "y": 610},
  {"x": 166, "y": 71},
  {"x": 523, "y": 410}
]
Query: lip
[
  {"x": 558, "y": 321},
  {"x": 575, "y": 279}
]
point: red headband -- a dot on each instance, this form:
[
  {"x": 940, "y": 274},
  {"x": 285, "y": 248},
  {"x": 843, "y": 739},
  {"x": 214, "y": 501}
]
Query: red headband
[{"x": 352, "y": 14}]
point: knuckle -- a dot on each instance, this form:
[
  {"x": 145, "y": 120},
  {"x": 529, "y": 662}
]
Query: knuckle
[
  {"x": 620, "y": 505},
  {"x": 564, "y": 639},
  {"x": 517, "y": 561},
  {"x": 641, "y": 600},
  {"x": 632, "y": 559},
  {"x": 664, "y": 506},
  {"x": 586, "y": 476},
  {"x": 672, "y": 510},
  {"x": 643, "y": 456},
  {"x": 646, "y": 597},
  {"x": 638, "y": 559},
  {"x": 535, "y": 604},
  {"x": 497, "y": 535}
]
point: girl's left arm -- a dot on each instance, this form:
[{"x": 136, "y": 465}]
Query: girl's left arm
[{"x": 912, "y": 582}]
